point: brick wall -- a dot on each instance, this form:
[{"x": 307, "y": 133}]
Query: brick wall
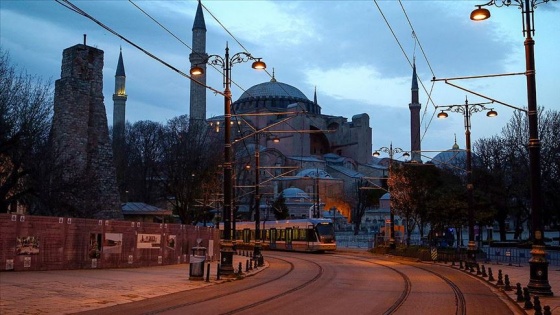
[{"x": 51, "y": 243}]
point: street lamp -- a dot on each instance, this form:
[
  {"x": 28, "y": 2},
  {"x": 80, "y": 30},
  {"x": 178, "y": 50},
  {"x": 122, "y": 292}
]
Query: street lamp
[
  {"x": 538, "y": 282},
  {"x": 257, "y": 250},
  {"x": 226, "y": 62},
  {"x": 467, "y": 110},
  {"x": 391, "y": 151}
]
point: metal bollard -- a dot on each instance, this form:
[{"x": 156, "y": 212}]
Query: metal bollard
[
  {"x": 508, "y": 286},
  {"x": 537, "y": 307},
  {"x": 547, "y": 310},
  {"x": 528, "y": 304},
  {"x": 484, "y": 274},
  {"x": 208, "y": 273},
  {"x": 218, "y": 273},
  {"x": 500, "y": 278},
  {"x": 519, "y": 293},
  {"x": 240, "y": 267},
  {"x": 247, "y": 265},
  {"x": 490, "y": 275}
]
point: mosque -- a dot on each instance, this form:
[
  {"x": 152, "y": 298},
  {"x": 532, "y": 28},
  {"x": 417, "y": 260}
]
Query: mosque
[{"x": 312, "y": 159}]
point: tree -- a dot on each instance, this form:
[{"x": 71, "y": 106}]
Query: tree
[
  {"x": 191, "y": 161},
  {"x": 279, "y": 208},
  {"x": 26, "y": 107},
  {"x": 366, "y": 196},
  {"x": 411, "y": 186},
  {"x": 143, "y": 179}
]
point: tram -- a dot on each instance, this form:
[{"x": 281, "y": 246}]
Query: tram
[{"x": 302, "y": 235}]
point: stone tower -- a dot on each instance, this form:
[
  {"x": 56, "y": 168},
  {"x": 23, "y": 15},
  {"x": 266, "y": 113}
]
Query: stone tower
[
  {"x": 119, "y": 119},
  {"x": 80, "y": 135},
  {"x": 415, "y": 119},
  {"x": 198, "y": 57}
]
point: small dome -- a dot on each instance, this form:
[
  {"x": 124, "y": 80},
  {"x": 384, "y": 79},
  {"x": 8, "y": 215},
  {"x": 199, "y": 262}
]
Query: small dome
[{"x": 294, "y": 192}]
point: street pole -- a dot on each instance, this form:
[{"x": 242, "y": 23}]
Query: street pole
[
  {"x": 257, "y": 253},
  {"x": 226, "y": 245},
  {"x": 391, "y": 151},
  {"x": 538, "y": 283},
  {"x": 226, "y": 248},
  {"x": 471, "y": 247}
]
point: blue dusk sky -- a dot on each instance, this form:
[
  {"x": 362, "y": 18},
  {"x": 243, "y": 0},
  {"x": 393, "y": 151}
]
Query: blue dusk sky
[{"x": 356, "y": 54}]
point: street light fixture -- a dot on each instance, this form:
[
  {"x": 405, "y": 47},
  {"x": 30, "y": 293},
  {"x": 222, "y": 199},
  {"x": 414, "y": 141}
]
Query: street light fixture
[
  {"x": 538, "y": 282},
  {"x": 467, "y": 110},
  {"x": 391, "y": 151},
  {"x": 226, "y": 62}
]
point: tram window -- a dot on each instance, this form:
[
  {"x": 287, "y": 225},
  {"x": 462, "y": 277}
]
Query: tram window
[{"x": 325, "y": 229}]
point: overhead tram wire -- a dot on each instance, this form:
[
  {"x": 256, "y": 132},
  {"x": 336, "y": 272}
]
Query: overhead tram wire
[
  {"x": 245, "y": 49},
  {"x": 67, "y": 4},
  {"x": 430, "y": 100},
  {"x": 417, "y": 40}
]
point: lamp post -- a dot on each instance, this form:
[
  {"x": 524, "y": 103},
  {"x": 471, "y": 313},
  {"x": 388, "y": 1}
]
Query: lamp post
[
  {"x": 538, "y": 282},
  {"x": 467, "y": 110},
  {"x": 391, "y": 151},
  {"x": 226, "y": 62}
]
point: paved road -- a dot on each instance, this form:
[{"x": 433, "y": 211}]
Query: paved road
[
  {"x": 361, "y": 283},
  {"x": 333, "y": 284}
]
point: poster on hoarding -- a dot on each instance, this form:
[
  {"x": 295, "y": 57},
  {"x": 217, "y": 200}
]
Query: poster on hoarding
[
  {"x": 94, "y": 250},
  {"x": 112, "y": 243},
  {"x": 149, "y": 241},
  {"x": 171, "y": 239},
  {"x": 27, "y": 245}
]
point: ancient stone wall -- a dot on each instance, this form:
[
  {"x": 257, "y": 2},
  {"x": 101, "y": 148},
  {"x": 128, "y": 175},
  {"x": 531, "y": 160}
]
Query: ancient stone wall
[{"x": 80, "y": 133}]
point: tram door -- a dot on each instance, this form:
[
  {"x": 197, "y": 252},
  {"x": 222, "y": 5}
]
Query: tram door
[
  {"x": 289, "y": 238},
  {"x": 246, "y": 236},
  {"x": 273, "y": 237}
]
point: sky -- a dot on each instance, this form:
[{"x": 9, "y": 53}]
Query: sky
[{"x": 356, "y": 54}]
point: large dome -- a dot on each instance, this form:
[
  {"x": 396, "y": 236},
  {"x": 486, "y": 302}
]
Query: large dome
[
  {"x": 273, "y": 96},
  {"x": 273, "y": 89}
]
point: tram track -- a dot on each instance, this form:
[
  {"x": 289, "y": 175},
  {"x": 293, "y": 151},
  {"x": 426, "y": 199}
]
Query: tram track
[
  {"x": 251, "y": 287},
  {"x": 460, "y": 302}
]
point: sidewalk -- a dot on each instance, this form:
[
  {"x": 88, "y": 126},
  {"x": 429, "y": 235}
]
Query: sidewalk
[
  {"x": 69, "y": 291},
  {"x": 521, "y": 274}
]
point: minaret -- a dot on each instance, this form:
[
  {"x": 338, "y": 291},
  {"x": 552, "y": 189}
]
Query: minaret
[
  {"x": 415, "y": 119},
  {"x": 119, "y": 118},
  {"x": 198, "y": 57}
]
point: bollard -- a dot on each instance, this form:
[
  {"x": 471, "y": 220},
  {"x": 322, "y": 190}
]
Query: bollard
[
  {"x": 246, "y": 265},
  {"x": 528, "y": 305},
  {"x": 208, "y": 273},
  {"x": 240, "y": 268},
  {"x": 490, "y": 275},
  {"x": 478, "y": 272},
  {"x": 547, "y": 310},
  {"x": 251, "y": 264},
  {"x": 537, "y": 307},
  {"x": 500, "y": 278},
  {"x": 519, "y": 293},
  {"x": 460, "y": 264},
  {"x": 218, "y": 272},
  {"x": 484, "y": 274},
  {"x": 508, "y": 286}
]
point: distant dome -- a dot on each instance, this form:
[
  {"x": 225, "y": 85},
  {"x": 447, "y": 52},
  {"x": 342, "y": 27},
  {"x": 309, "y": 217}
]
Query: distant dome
[
  {"x": 294, "y": 192},
  {"x": 454, "y": 158}
]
